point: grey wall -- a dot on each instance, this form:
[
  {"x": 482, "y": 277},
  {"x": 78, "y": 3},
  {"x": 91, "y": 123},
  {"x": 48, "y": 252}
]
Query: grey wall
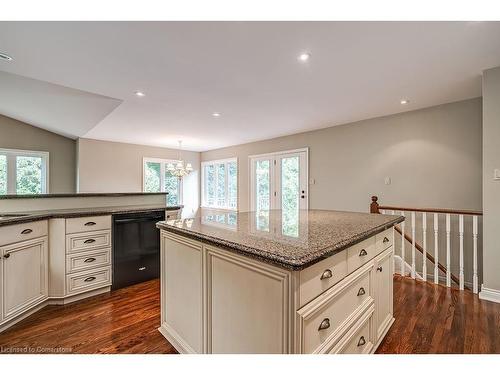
[
  {"x": 62, "y": 165},
  {"x": 433, "y": 157},
  {"x": 491, "y": 188},
  {"x": 117, "y": 167}
]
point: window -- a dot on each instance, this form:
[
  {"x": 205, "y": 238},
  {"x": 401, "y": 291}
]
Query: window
[
  {"x": 157, "y": 179},
  {"x": 220, "y": 184},
  {"x": 23, "y": 172}
]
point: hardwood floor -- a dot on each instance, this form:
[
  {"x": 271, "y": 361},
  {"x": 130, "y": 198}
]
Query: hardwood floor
[
  {"x": 435, "y": 319},
  {"x": 429, "y": 319},
  {"x": 122, "y": 321}
]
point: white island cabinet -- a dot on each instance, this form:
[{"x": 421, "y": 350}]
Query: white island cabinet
[{"x": 218, "y": 297}]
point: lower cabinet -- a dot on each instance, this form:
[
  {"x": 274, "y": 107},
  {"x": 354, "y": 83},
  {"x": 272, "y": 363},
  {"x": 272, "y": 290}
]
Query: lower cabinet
[
  {"x": 24, "y": 276},
  {"x": 383, "y": 275}
]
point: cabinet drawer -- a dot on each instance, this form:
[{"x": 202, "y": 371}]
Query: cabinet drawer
[
  {"x": 20, "y": 232},
  {"x": 359, "y": 254},
  {"x": 324, "y": 318},
  {"x": 172, "y": 214},
  {"x": 87, "y": 241},
  {"x": 88, "y": 280},
  {"x": 86, "y": 260},
  {"x": 319, "y": 277},
  {"x": 358, "y": 340},
  {"x": 384, "y": 240},
  {"x": 86, "y": 224}
]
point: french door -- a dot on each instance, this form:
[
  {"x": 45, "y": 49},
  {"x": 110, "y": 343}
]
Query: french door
[{"x": 279, "y": 181}]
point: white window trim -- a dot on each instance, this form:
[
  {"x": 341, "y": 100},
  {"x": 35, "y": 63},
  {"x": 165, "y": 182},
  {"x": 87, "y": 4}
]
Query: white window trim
[
  {"x": 11, "y": 168},
  {"x": 162, "y": 174},
  {"x": 219, "y": 161}
]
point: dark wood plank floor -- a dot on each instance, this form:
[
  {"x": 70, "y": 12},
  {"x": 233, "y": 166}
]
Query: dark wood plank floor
[
  {"x": 435, "y": 319},
  {"x": 122, "y": 321},
  {"x": 429, "y": 319}
]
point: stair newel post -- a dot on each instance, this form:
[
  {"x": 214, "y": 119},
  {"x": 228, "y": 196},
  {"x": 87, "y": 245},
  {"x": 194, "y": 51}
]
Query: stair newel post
[{"x": 374, "y": 205}]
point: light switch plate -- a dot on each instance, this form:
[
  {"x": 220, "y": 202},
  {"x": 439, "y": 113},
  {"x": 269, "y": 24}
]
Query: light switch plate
[{"x": 496, "y": 174}]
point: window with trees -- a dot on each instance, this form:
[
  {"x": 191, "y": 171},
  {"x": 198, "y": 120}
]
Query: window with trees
[
  {"x": 158, "y": 179},
  {"x": 23, "y": 172},
  {"x": 220, "y": 184}
]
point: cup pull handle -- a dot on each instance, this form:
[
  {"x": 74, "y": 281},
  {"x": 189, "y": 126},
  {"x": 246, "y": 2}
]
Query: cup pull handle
[
  {"x": 27, "y": 231},
  {"x": 325, "y": 324},
  {"x": 89, "y": 279},
  {"x": 89, "y": 223},
  {"x": 363, "y": 253},
  {"x": 385, "y": 240},
  {"x": 89, "y": 260},
  {"x": 90, "y": 240},
  {"x": 361, "y": 341},
  {"x": 361, "y": 291},
  {"x": 326, "y": 274}
]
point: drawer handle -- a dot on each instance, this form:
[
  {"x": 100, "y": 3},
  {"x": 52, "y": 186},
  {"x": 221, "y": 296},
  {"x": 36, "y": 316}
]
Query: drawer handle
[
  {"x": 90, "y": 240},
  {"x": 6, "y": 256},
  {"x": 89, "y": 260},
  {"x": 27, "y": 231},
  {"x": 385, "y": 240},
  {"x": 325, "y": 324},
  {"x": 361, "y": 291},
  {"x": 89, "y": 279},
  {"x": 363, "y": 253},
  {"x": 379, "y": 269},
  {"x": 89, "y": 223},
  {"x": 361, "y": 341},
  {"x": 326, "y": 274}
]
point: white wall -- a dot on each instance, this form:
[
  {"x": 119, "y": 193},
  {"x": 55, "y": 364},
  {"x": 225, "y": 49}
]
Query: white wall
[
  {"x": 117, "y": 167},
  {"x": 491, "y": 188},
  {"x": 432, "y": 155}
]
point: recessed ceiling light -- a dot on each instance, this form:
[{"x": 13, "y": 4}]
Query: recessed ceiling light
[
  {"x": 216, "y": 114},
  {"x": 140, "y": 94},
  {"x": 303, "y": 57},
  {"x": 5, "y": 57},
  {"x": 404, "y": 101}
]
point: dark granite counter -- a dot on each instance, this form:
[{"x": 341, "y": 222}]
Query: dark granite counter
[
  {"x": 79, "y": 212},
  {"x": 74, "y": 195},
  {"x": 287, "y": 240}
]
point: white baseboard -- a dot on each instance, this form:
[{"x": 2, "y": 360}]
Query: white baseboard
[{"x": 488, "y": 294}]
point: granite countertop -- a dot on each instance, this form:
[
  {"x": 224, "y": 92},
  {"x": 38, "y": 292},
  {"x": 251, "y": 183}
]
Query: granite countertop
[
  {"x": 79, "y": 212},
  {"x": 74, "y": 195},
  {"x": 289, "y": 241}
]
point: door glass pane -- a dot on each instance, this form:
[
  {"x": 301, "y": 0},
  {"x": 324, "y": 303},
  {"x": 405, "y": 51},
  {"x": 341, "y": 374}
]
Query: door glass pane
[
  {"x": 172, "y": 187},
  {"x": 221, "y": 185},
  {"x": 152, "y": 177},
  {"x": 290, "y": 195},
  {"x": 262, "y": 185},
  {"x": 28, "y": 175},
  {"x": 210, "y": 185},
  {"x": 3, "y": 174},
  {"x": 232, "y": 184}
]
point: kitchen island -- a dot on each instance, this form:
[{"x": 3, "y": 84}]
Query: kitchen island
[{"x": 277, "y": 282}]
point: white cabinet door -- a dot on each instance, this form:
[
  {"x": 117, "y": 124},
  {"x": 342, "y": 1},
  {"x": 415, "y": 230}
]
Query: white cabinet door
[
  {"x": 24, "y": 275},
  {"x": 247, "y": 305},
  {"x": 181, "y": 270},
  {"x": 383, "y": 293}
]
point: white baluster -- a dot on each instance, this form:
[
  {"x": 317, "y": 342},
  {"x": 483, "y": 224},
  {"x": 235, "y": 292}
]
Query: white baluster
[
  {"x": 475, "y": 287},
  {"x": 424, "y": 243},
  {"x": 436, "y": 250},
  {"x": 413, "y": 245},
  {"x": 448, "y": 251},
  {"x": 461, "y": 237},
  {"x": 403, "y": 268},
  {"x": 393, "y": 258}
]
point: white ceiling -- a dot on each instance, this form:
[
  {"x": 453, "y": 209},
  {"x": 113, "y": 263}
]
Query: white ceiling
[{"x": 247, "y": 71}]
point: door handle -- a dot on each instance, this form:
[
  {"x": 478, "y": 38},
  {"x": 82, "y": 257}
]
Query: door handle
[
  {"x": 379, "y": 269},
  {"x": 6, "y": 256}
]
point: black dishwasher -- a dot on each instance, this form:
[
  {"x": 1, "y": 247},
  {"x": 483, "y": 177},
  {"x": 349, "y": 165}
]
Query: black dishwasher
[{"x": 136, "y": 248}]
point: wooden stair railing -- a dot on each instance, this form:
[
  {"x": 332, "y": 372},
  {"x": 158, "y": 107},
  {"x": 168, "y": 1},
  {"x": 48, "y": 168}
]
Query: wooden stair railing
[{"x": 375, "y": 208}]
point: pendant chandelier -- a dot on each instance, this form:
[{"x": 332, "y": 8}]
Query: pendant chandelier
[{"x": 179, "y": 169}]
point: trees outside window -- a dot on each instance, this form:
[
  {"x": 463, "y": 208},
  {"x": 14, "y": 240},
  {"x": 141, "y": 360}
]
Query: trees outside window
[
  {"x": 158, "y": 179},
  {"x": 220, "y": 184},
  {"x": 23, "y": 172}
]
